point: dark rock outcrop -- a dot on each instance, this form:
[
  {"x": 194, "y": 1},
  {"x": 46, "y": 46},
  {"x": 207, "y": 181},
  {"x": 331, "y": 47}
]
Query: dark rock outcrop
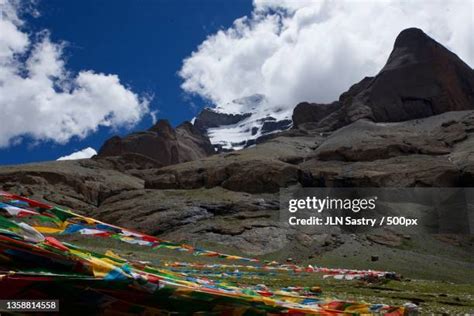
[
  {"x": 209, "y": 118},
  {"x": 161, "y": 143},
  {"x": 421, "y": 78},
  {"x": 306, "y": 112},
  {"x": 271, "y": 126}
]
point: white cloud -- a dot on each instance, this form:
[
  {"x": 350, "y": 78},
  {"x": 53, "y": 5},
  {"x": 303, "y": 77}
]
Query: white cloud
[
  {"x": 81, "y": 154},
  {"x": 40, "y": 98},
  {"x": 302, "y": 50}
]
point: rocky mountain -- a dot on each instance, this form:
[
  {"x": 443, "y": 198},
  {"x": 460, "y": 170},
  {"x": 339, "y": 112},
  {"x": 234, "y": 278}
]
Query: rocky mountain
[
  {"x": 232, "y": 198},
  {"x": 161, "y": 145},
  {"x": 411, "y": 125},
  {"x": 242, "y": 123},
  {"x": 421, "y": 78}
]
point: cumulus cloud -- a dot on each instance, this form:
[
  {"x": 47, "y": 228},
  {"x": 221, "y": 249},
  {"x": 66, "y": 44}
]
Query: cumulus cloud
[
  {"x": 41, "y": 99},
  {"x": 310, "y": 50},
  {"x": 81, "y": 154}
]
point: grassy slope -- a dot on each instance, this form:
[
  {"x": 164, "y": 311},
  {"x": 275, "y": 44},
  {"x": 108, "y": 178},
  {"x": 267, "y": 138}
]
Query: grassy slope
[{"x": 445, "y": 287}]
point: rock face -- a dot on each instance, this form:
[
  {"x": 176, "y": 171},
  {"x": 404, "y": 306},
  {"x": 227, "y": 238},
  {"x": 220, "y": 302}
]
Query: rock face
[
  {"x": 364, "y": 140},
  {"x": 79, "y": 184},
  {"x": 421, "y": 78},
  {"x": 161, "y": 144},
  {"x": 270, "y": 125},
  {"x": 254, "y": 176},
  {"x": 178, "y": 214},
  {"x": 263, "y": 169},
  {"x": 209, "y": 118},
  {"x": 424, "y": 152},
  {"x": 193, "y": 144},
  {"x": 312, "y": 112}
]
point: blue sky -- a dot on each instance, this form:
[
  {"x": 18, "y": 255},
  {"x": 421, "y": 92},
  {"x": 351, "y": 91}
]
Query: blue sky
[{"x": 144, "y": 42}]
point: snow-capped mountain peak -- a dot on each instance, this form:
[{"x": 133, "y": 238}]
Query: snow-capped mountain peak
[{"x": 242, "y": 122}]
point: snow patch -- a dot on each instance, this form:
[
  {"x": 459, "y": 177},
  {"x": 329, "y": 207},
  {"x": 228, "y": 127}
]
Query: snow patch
[
  {"x": 81, "y": 154},
  {"x": 245, "y": 133}
]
